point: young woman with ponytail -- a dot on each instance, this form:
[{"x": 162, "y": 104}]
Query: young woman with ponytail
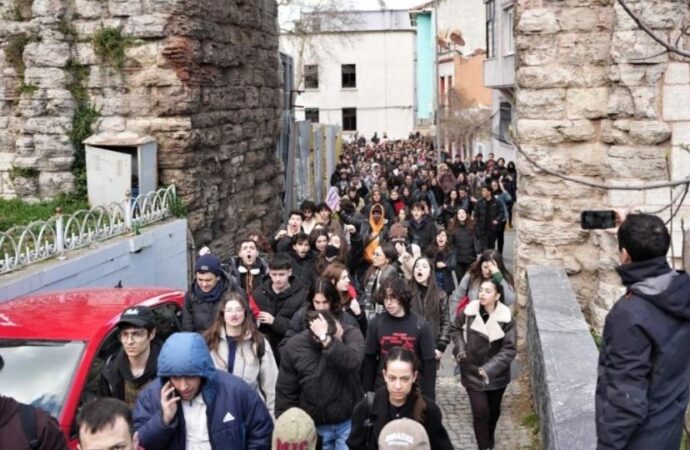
[{"x": 401, "y": 397}]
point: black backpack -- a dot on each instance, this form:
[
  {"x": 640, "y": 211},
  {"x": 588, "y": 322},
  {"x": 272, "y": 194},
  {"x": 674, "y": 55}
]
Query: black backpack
[{"x": 27, "y": 415}]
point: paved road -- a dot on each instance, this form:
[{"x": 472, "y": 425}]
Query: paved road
[{"x": 452, "y": 398}]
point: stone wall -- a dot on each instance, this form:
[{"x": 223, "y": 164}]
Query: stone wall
[
  {"x": 201, "y": 76},
  {"x": 596, "y": 98}
]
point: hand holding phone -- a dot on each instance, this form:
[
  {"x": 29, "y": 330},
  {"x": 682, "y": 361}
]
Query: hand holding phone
[
  {"x": 169, "y": 399},
  {"x": 597, "y": 219}
]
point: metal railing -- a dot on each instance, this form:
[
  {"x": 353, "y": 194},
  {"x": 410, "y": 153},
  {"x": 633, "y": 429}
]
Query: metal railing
[{"x": 23, "y": 245}]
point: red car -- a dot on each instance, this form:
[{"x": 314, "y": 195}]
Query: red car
[{"x": 55, "y": 345}]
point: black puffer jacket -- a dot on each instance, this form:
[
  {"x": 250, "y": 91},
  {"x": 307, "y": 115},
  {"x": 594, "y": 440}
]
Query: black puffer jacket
[
  {"x": 380, "y": 415},
  {"x": 490, "y": 345},
  {"x": 198, "y": 314},
  {"x": 485, "y": 214},
  {"x": 324, "y": 382},
  {"x": 466, "y": 245},
  {"x": 644, "y": 364},
  {"x": 281, "y": 306},
  {"x": 439, "y": 321}
]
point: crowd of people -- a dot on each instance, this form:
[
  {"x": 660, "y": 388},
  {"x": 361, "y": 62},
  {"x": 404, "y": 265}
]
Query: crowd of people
[{"x": 338, "y": 320}]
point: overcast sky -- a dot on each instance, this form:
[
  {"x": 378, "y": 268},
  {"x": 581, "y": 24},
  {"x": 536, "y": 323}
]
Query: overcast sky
[{"x": 289, "y": 14}]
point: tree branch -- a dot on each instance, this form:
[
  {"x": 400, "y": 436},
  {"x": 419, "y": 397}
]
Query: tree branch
[{"x": 651, "y": 33}]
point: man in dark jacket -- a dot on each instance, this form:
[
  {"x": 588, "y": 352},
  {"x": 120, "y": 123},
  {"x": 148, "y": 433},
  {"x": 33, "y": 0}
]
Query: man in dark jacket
[
  {"x": 302, "y": 259},
  {"x": 422, "y": 227},
  {"x": 644, "y": 364},
  {"x": 134, "y": 365},
  {"x": 15, "y": 417},
  {"x": 201, "y": 300},
  {"x": 487, "y": 216},
  {"x": 319, "y": 373},
  {"x": 278, "y": 298},
  {"x": 193, "y": 405}
]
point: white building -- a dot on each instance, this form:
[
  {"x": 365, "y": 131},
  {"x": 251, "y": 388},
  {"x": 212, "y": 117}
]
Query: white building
[
  {"x": 499, "y": 72},
  {"x": 357, "y": 71}
]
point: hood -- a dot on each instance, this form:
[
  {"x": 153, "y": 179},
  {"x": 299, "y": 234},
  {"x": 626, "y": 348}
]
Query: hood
[
  {"x": 122, "y": 365},
  {"x": 8, "y": 408},
  {"x": 655, "y": 281},
  {"x": 186, "y": 354}
]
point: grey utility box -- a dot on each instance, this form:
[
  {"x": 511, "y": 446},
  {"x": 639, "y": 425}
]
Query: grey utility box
[{"x": 117, "y": 163}]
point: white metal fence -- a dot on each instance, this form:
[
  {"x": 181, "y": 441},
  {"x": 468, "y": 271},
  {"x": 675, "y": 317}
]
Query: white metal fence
[{"x": 43, "y": 239}]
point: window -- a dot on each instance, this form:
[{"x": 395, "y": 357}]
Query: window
[
  {"x": 311, "y": 115},
  {"x": 490, "y": 41},
  {"x": 349, "y": 119},
  {"x": 509, "y": 38},
  {"x": 311, "y": 77},
  {"x": 506, "y": 117},
  {"x": 349, "y": 76}
]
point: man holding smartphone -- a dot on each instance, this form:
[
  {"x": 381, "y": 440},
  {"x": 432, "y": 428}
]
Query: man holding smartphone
[
  {"x": 191, "y": 405},
  {"x": 644, "y": 364}
]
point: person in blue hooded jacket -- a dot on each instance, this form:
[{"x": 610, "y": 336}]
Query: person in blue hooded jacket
[
  {"x": 191, "y": 405},
  {"x": 644, "y": 364}
]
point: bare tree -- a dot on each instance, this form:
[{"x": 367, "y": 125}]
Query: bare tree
[{"x": 463, "y": 121}]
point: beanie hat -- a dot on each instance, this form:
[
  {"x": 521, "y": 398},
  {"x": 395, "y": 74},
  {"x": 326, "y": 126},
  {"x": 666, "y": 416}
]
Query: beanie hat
[
  {"x": 294, "y": 429},
  {"x": 402, "y": 434},
  {"x": 207, "y": 263},
  {"x": 397, "y": 231}
]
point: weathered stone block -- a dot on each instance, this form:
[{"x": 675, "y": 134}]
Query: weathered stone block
[
  {"x": 124, "y": 7},
  {"x": 676, "y": 101},
  {"x": 89, "y": 9},
  {"x": 538, "y": 21},
  {"x": 658, "y": 15},
  {"x": 541, "y": 103},
  {"x": 620, "y": 102},
  {"x": 578, "y": 130},
  {"x": 49, "y": 8},
  {"x": 146, "y": 26},
  {"x": 84, "y": 54},
  {"x": 625, "y": 199},
  {"x": 46, "y": 54},
  {"x": 645, "y": 101},
  {"x": 555, "y": 76},
  {"x": 636, "y": 45},
  {"x": 583, "y": 19},
  {"x": 539, "y": 131},
  {"x": 677, "y": 73},
  {"x": 657, "y": 197},
  {"x": 648, "y": 132},
  {"x": 641, "y": 162},
  {"x": 681, "y": 133},
  {"x": 680, "y": 163},
  {"x": 534, "y": 50},
  {"x": 48, "y": 125},
  {"x": 583, "y": 48},
  {"x": 52, "y": 182},
  {"x": 45, "y": 77},
  {"x": 587, "y": 103}
]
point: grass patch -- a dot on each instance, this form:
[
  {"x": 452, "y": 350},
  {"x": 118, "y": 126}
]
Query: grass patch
[
  {"x": 78, "y": 74},
  {"x": 177, "y": 206},
  {"x": 17, "y": 212},
  {"x": 110, "y": 44},
  {"x": 23, "y": 172},
  {"x": 598, "y": 340},
  {"x": 531, "y": 421},
  {"x": 28, "y": 88}
]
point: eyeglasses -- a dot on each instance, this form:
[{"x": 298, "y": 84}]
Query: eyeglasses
[{"x": 139, "y": 335}]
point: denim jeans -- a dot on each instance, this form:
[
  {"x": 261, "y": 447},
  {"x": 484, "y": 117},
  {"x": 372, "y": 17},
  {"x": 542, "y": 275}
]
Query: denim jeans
[{"x": 335, "y": 435}]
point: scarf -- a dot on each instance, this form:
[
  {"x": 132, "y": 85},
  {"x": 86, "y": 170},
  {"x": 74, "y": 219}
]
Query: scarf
[
  {"x": 213, "y": 295},
  {"x": 376, "y": 228}
]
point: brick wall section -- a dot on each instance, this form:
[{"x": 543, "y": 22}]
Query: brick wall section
[
  {"x": 596, "y": 98},
  {"x": 202, "y": 78}
]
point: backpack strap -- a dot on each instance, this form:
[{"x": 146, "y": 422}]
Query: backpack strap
[{"x": 27, "y": 415}]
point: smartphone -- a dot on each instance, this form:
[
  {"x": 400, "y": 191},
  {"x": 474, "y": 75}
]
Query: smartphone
[{"x": 597, "y": 220}]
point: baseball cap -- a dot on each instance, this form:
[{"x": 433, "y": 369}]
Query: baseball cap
[
  {"x": 294, "y": 429},
  {"x": 208, "y": 263},
  {"x": 403, "y": 434},
  {"x": 139, "y": 316}
]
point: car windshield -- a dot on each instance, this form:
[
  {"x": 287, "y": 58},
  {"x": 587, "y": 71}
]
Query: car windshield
[{"x": 38, "y": 372}]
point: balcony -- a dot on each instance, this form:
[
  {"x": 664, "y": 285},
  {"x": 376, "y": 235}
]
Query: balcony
[{"x": 499, "y": 72}]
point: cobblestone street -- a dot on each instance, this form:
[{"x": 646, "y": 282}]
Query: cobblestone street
[{"x": 511, "y": 433}]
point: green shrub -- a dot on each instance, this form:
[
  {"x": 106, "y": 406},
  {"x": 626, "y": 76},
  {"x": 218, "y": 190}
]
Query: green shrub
[
  {"x": 110, "y": 44},
  {"x": 14, "y": 53},
  {"x": 16, "y": 212},
  {"x": 23, "y": 172}
]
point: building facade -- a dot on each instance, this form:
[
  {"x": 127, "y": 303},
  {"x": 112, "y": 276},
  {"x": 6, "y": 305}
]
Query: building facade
[
  {"x": 356, "y": 71},
  {"x": 499, "y": 73}
]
